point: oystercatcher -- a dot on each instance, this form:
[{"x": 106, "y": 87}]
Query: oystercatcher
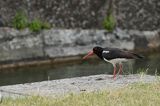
[{"x": 113, "y": 56}]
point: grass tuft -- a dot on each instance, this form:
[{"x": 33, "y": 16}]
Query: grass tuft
[
  {"x": 37, "y": 25},
  {"x": 20, "y": 20},
  {"x": 109, "y": 23}
]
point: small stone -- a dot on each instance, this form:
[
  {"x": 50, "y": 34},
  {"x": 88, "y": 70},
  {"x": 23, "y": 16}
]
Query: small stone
[
  {"x": 97, "y": 79},
  {"x": 83, "y": 90},
  {"x": 73, "y": 83}
]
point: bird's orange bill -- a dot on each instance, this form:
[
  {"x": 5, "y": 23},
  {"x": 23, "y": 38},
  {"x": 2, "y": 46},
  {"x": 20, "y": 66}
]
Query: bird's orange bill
[{"x": 89, "y": 54}]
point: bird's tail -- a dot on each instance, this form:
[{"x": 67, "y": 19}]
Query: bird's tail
[{"x": 138, "y": 56}]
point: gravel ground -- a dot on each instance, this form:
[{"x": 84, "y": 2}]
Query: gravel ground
[{"x": 72, "y": 85}]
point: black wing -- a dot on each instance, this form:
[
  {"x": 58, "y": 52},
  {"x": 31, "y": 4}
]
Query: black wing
[{"x": 114, "y": 53}]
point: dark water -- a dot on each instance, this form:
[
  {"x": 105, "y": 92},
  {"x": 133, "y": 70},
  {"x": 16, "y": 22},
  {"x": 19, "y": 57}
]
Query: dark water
[{"x": 151, "y": 64}]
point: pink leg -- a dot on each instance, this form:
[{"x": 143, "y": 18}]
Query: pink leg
[
  {"x": 120, "y": 69},
  {"x": 114, "y": 72}
]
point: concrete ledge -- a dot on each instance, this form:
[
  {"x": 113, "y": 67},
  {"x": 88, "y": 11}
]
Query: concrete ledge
[
  {"x": 73, "y": 85},
  {"x": 38, "y": 62}
]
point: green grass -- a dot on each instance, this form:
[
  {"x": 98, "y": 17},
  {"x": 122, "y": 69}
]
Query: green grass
[
  {"x": 139, "y": 94},
  {"x": 20, "y": 20},
  {"x": 37, "y": 25},
  {"x": 109, "y": 23}
]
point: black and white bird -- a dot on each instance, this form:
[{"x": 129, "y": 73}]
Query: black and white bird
[{"x": 113, "y": 56}]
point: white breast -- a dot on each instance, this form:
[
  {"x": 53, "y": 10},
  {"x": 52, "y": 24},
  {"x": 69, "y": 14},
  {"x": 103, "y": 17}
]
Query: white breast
[{"x": 115, "y": 61}]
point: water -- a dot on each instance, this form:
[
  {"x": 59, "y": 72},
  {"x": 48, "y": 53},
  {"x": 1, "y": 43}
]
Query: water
[{"x": 151, "y": 64}]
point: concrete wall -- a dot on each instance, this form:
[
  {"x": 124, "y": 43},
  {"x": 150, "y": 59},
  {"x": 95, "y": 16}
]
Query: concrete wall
[
  {"x": 138, "y": 14},
  {"x": 129, "y": 14},
  {"x": 19, "y": 45}
]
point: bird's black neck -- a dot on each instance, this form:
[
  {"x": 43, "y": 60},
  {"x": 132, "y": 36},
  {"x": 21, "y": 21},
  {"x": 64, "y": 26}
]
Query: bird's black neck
[
  {"x": 99, "y": 55},
  {"x": 98, "y": 51}
]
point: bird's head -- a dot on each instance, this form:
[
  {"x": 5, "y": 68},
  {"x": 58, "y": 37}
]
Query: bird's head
[{"x": 96, "y": 50}]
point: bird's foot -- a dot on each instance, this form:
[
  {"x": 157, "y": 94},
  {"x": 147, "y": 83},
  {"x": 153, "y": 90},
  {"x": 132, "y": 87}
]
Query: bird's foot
[
  {"x": 114, "y": 77},
  {"x": 118, "y": 75}
]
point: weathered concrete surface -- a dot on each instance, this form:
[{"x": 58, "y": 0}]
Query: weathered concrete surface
[
  {"x": 73, "y": 42},
  {"x": 129, "y": 14},
  {"x": 16, "y": 45},
  {"x": 20, "y": 45},
  {"x": 135, "y": 14},
  {"x": 73, "y": 85}
]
